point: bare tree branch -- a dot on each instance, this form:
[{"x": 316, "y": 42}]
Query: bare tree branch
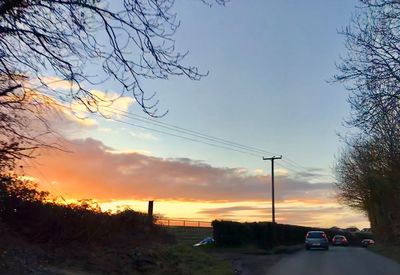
[{"x": 124, "y": 42}]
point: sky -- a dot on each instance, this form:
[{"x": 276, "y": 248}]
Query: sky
[{"x": 269, "y": 86}]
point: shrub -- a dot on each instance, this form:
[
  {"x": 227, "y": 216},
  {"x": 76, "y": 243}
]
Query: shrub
[
  {"x": 227, "y": 233},
  {"x": 31, "y": 213}
]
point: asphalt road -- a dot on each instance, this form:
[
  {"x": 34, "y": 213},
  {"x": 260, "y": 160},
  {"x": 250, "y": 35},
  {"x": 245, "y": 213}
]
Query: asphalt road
[{"x": 335, "y": 261}]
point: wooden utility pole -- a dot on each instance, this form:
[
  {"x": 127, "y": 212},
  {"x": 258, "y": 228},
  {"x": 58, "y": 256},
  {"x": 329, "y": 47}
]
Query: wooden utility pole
[{"x": 273, "y": 185}]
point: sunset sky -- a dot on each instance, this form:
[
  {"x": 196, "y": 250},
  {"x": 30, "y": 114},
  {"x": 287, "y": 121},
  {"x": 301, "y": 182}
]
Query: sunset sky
[{"x": 270, "y": 64}]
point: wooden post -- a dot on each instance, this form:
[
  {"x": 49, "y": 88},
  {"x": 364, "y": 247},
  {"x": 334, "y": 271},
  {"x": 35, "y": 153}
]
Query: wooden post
[{"x": 150, "y": 209}]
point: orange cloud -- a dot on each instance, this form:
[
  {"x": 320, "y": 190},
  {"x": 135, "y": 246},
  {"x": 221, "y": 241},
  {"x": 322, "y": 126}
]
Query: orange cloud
[
  {"x": 93, "y": 170},
  {"x": 118, "y": 179},
  {"x": 108, "y": 104}
]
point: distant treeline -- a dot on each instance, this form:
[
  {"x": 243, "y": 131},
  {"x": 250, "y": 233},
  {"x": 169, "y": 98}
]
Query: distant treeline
[{"x": 268, "y": 235}]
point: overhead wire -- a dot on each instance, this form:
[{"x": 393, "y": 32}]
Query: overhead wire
[
  {"x": 189, "y": 131},
  {"x": 179, "y": 129},
  {"x": 183, "y": 137},
  {"x": 185, "y": 133},
  {"x": 167, "y": 133},
  {"x": 190, "y": 135},
  {"x": 46, "y": 180}
]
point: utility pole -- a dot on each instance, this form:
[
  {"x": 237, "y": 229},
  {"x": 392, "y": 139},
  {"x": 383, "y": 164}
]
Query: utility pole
[{"x": 273, "y": 185}]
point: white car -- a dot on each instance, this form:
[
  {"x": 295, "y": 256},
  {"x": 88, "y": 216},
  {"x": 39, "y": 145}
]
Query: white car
[{"x": 316, "y": 239}]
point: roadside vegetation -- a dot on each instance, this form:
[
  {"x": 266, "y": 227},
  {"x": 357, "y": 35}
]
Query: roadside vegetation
[
  {"x": 387, "y": 250},
  {"x": 81, "y": 45},
  {"x": 41, "y": 235},
  {"x": 273, "y": 238},
  {"x": 368, "y": 168}
]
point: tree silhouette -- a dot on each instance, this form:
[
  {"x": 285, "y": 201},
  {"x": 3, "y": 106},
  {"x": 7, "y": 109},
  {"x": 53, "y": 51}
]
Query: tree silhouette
[
  {"x": 82, "y": 43},
  {"x": 91, "y": 41},
  {"x": 369, "y": 169}
]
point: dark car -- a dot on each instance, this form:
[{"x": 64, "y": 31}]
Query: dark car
[
  {"x": 316, "y": 239},
  {"x": 367, "y": 242},
  {"x": 340, "y": 240}
]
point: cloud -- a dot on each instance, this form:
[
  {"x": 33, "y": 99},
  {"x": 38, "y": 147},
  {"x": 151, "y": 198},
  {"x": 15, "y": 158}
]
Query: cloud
[
  {"x": 106, "y": 103},
  {"x": 258, "y": 171},
  {"x": 94, "y": 170},
  {"x": 57, "y": 83},
  {"x": 143, "y": 135}
]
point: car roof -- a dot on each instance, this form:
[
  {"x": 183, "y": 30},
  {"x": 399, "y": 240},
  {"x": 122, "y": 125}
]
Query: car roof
[{"x": 315, "y": 232}]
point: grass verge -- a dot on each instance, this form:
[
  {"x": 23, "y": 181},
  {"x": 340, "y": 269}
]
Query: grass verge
[
  {"x": 254, "y": 250},
  {"x": 389, "y": 251},
  {"x": 196, "y": 261},
  {"x": 41, "y": 236}
]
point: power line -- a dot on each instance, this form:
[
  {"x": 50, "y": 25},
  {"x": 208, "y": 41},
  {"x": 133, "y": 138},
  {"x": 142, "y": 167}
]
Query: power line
[
  {"x": 199, "y": 138},
  {"x": 190, "y": 135},
  {"x": 183, "y": 137},
  {"x": 294, "y": 163},
  {"x": 164, "y": 132},
  {"x": 46, "y": 180},
  {"x": 306, "y": 171},
  {"x": 179, "y": 129},
  {"x": 293, "y": 167},
  {"x": 188, "y": 131}
]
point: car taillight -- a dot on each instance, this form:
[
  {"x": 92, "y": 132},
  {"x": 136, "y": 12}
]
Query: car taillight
[{"x": 324, "y": 236}]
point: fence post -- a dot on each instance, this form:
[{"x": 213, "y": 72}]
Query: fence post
[
  {"x": 150, "y": 209},
  {"x": 150, "y": 217}
]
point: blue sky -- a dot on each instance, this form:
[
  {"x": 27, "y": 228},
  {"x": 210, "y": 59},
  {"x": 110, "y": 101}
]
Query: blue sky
[
  {"x": 269, "y": 63},
  {"x": 268, "y": 86}
]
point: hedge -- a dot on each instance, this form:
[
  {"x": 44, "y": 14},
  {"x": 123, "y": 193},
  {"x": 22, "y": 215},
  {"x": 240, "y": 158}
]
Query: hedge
[{"x": 267, "y": 235}]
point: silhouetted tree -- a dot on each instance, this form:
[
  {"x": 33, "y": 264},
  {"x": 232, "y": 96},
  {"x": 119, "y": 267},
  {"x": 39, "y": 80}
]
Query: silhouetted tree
[
  {"x": 23, "y": 125},
  {"x": 367, "y": 182},
  {"x": 84, "y": 43},
  {"x": 371, "y": 68},
  {"x": 91, "y": 41},
  {"x": 369, "y": 168}
]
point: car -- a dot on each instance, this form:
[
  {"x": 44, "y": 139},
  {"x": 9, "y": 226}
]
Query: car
[
  {"x": 367, "y": 242},
  {"x": 340, "y": 240},
  {"x": 208, "y": 240},
  {"x": 316, "y": 239}
]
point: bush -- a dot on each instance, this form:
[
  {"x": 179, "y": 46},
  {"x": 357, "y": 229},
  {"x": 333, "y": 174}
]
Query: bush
[
  {"x": 228, "y": 233},
  {"x": 31, "y": 213}
]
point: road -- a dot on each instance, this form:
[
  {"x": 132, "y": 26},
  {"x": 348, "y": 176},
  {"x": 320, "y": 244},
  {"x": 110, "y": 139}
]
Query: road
[{"x": 338, "y": 260}]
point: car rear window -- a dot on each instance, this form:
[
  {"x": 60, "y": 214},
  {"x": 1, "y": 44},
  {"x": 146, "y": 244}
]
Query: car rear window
[
  {"x": 339, "y": 238},
  {"x": 315, "y": 235}
]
